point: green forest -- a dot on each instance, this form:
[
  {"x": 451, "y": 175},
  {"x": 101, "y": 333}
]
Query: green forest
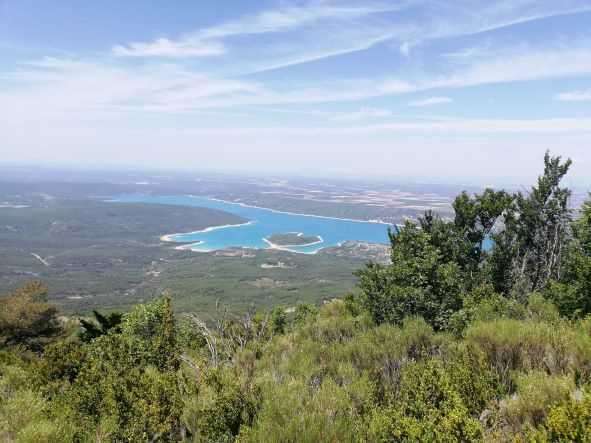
[{"x": 478, "y": 330}]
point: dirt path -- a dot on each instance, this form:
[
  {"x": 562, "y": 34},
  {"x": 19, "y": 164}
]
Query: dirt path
[{"x": 41, "y": 259}]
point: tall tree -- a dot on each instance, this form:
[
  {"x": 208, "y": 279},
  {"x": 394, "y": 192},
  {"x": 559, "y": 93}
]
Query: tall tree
[
  {"x": 475, "y": 218},
  {"x": 421, "y": 280},
  {"x": 572, "y": 294},
  {"x": 436, "y": 262},
  {"x": 582, "y": 228},
  {"x": 528, "y": 251}
]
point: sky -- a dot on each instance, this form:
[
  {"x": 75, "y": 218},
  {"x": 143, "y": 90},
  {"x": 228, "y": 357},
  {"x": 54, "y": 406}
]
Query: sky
[{"x": 469, "y": 90}]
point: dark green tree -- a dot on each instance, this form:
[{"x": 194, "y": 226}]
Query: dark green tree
[
  {"x": 126, "y": 388},
  {"x": 278, "y": 320},
  {"x": 475, "y": 219},
  {"x": 529, "y": 250},
  {"x": 434, "y": 262},
  {"x": 572, "y": 294},
  {"x": 420, "y": 281},
  {"x": 582, "y": 228},
  {"x": 101, "y": 325}
]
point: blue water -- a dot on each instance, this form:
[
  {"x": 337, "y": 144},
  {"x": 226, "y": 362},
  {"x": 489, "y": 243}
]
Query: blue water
[{"x": 264, "y": 223}]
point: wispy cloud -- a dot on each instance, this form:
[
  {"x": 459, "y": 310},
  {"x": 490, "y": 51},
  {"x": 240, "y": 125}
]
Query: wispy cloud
[
  {"x": 70, "y": 84},
  {"x": 508, "y": 66},
  {"x": 490, "y": 126},
  {"x": 505, "y": 13},
  {"x": 208, "y": 41},
  {"x": 214, "y": 86},
  {"x": 324, "y": 47},
  {"x": 314, "y": 30},
  {"x": 575, "y": 96},
  {"x": 53, "y": 87},
  {"x": 405, "y": 48},
  {"x": 469, "y": 53},
  {"x": 362, "y": 114},
  {"x": 291, "y": 17},
  {"x": 431, "y": 101},
  {"x": 527, "y": 64},
  {"x": 164, "y": 47}
]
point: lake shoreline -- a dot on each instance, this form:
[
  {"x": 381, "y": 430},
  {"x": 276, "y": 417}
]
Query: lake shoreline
[
  {"x": 261, "y": 224},
  {"x": 168, "y": 237},
  {"x": 278, "y": 211}
]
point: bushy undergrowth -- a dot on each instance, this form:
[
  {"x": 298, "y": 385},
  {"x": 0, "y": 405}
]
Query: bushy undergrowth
[{"x": 333, "y": 375}]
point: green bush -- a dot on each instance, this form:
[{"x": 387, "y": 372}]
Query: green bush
[
  {"x": 555, "y": 348},
  {"x": 427, "y": 407},
  {"x": 295, "y": 411},
  {"x": 25, "y": 416},
  {"x": 216, "y": 406},
  {"x": 535, "y": 394},
  {"x": 570, "y": 421}
]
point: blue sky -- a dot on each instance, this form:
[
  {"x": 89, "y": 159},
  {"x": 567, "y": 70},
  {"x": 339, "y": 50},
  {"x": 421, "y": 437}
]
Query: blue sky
[{"x": 468, "y": 89}]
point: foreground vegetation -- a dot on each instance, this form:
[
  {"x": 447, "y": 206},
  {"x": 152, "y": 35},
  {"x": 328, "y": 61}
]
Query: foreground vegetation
[{"x": 477, "y": 331}]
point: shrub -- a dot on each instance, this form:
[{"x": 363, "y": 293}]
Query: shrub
[
  {"x": 483, "y": 304},
  {"x": 555, "y": 348},
  {"x": 24, "y": 413},
  {"x": 216, "y": 406},
  {"x": 536, "y": 393},
  {"x": 427, "y": 407},
  {"x": 126, "y": 387},
  {"x": 471, "y": 376},
  {"x": 570, "y": 421},
  {"x": 303, "y": 312},
  {"x": 27, "y": 319},
  {"x": 295, "y": 412}
]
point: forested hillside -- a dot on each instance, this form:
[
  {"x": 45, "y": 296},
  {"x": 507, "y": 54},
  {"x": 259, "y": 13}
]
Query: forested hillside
[{"x": 478, "y": 330}]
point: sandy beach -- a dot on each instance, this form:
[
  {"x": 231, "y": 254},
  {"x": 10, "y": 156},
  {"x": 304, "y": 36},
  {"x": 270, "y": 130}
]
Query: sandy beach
[
  {"x": 287, "y": 247},
  {"x": 170, "y": 237}
]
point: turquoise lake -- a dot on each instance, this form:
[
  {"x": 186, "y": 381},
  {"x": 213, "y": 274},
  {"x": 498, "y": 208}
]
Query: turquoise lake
[{"x": 262, "y": 224}]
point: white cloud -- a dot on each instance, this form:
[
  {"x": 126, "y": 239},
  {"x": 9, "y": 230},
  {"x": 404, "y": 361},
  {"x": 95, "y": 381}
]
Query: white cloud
[
  {"x": 207, "y": 41},
  {"x": 469, "y": 53},
  {"x": 506, "y": 67},
  {"x": 50, "y": 88},
  {"x": 78, "y": 85},
  {"x": 459, "y": 17},
  {"x": 362, "y": 114},
  {"x": 92, "y": 108},
  {"x": 292, "y": 17},
  {"x": 527, "y": 64},
  {"x": 431, "y": 101},
  {"x": 489, "y": 126},
  {"x": 164, "y": 47},
  {"x": 575, "y": 96},
  {"x": 324, "y": 47},
  {"x": 405, "y": 48},
  {"x": 317, "y": 29}
]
